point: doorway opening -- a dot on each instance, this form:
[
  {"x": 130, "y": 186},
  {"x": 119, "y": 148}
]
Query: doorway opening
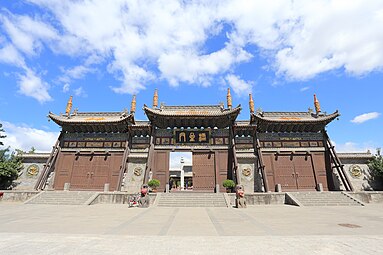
[{"x": 181, "y": 171}]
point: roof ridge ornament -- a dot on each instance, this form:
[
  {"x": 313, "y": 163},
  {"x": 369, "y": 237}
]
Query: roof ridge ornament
[
  {"x": 155, "y": 99},
  {"x": 229, "y": 103},
  {"x": 133, "y": 105},
  {"x": 68, "y": 106},
  {"x": 317, "y": 105},
  {"x": 251, "y": 103}
]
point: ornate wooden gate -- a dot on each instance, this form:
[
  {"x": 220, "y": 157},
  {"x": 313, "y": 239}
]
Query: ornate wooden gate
[
  {"x": 88, "y": 172},
  {"x": 293, "y": 172},
  {"x": 203, "y": 171}
]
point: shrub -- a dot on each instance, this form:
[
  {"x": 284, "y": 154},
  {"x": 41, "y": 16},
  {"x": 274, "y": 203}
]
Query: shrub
[
  {"x": 228, "y": 184},
  {"x": 154, "y": 183}
]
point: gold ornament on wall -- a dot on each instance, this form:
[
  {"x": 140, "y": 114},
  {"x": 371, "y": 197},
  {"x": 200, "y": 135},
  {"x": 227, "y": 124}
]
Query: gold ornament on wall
[
  {"x": 33, "y": 170},
  {"x": 355, "y": 171},
  {"x": 246, "y": 171},
  {"x": 137, "y": 171}
]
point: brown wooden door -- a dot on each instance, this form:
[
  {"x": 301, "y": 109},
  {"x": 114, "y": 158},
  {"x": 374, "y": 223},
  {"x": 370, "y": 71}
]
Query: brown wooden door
[
  {"x": 160, "y": 169},
  {"x": 304, "y": 172},
  {"x": 63, "y": 170},
  {"x": 203, "y": 171},
  {"x": 221, "y": 163},
  {"x": 99, "y": 174},
  {"x": 81, "y": 173},
  {"x": 319, "y": 164},
  {"x": 115, "y": 167},
  {"x": 284, "y": 173}
]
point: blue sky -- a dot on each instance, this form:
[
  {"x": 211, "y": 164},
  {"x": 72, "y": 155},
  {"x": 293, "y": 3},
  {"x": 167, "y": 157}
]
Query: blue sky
[{"x": 103, "y": 52}]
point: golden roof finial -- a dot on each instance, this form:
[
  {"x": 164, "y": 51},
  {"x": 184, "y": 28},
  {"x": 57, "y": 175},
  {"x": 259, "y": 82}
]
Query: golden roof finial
[
  {"x": 155, "y": 98},
  {"x": 229, "y": 105},
  {"x": 251, "y": 103},
  {"x": 133, "y": 105},
  {"x": 316, "y": 104},
  {"x": 69, "y": 106}
]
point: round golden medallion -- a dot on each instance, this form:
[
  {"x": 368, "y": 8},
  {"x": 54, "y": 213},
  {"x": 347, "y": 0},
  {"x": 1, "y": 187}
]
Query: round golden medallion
[
  {"x": 246, "y": 171},
  {"x": 137, "y": 171},
  {"x": 33, "y": 170},
  {"x": 355, "y": 171}
]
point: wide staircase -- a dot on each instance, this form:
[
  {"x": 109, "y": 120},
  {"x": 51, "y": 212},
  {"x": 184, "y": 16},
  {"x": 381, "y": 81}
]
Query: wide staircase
[
  {"x": 61, "y": 197},
  {"x": 325, "y": 199},
  {"x": 191, "y": 199}
]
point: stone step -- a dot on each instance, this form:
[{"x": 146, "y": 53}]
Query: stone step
[
  {"x": 325, "y": 199},
  {"x": 61, "y": 197}
]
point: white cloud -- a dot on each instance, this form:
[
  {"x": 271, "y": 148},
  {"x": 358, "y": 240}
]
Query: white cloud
[
  {"x": 66, "y": 87},
  {"x": 240, "y": 87},
  {"x": 24, "y": 137},
  {"x": 168, "y": 39},
  {"x": 80, "y": 92},
  {"x": 74, "y": 73},
  {"x": 32, "y": 85},
  {"x": 329, "y": 35},
  {"x": 365, "y": 117},
  {"x": 304, "y": 89},
  {"x": 193, "y": 68},
  {"x": 9, "y": 55},
  {"x": 26, "y": 33},
  {"x": 354, "y": 147}
]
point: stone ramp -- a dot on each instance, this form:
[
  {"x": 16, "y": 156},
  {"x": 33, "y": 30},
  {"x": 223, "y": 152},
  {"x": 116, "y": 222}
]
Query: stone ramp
[
  {"x": 325, "y": 199},
  {"x": 191, "y": 200},
  {"x": 62, "y": 198}
]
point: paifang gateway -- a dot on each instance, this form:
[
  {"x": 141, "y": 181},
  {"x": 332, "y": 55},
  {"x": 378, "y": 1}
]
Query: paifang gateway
[{"x": 290, "y": 150}]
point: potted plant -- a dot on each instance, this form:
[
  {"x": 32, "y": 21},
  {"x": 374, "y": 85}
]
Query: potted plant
[
  {"x": 154, "y": 184},
  {"x": 229, "y": 185}
]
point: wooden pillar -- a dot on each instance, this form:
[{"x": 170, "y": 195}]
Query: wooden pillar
[
  {"x": 259, "y": 163},
  {"x": 234, "y": 154},
  {"x": 49, "y": 165},
  {"x": 150, "y": 156},
  {"x": 123, "y": 164}
]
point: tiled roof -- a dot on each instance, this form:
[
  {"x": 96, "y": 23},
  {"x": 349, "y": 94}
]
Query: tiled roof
[
  {"x": 91, "y": 117},
  {"x": 295, "y": 116},
  {"x": 292, "y": 121},
  {"x": 192, "y": 116},
  {"x": 94, "y": 121},
  {"x": 197, "y": 110}
]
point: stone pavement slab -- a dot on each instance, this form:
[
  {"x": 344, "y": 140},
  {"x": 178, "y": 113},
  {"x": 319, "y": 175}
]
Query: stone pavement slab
[{"x": 118, "y": 229}]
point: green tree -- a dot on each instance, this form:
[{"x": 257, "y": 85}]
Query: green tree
[
  {"x": 10, "y": 166},
  {"x": 376, "y": 164}
]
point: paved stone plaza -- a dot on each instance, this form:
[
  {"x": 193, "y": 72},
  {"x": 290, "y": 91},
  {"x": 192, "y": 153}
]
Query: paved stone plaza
[{"x": 117, "y": 229}]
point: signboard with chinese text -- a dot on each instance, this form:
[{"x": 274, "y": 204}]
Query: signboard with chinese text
[{"x": 191, "y": 136}]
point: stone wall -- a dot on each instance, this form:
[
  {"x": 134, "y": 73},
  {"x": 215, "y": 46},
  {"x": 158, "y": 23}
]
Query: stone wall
[
  {"x": 246, "y": 173},
  {"x": 368, "y": 196},
  {"x": 32, "y": 169},
  {"x": 270, "y": 198},
  {"x": 359, "y": 174},
  {"x": 17, "y": 196},
  {"x": 134, "y": 176},
  {"x": 117, "y": 198}
]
